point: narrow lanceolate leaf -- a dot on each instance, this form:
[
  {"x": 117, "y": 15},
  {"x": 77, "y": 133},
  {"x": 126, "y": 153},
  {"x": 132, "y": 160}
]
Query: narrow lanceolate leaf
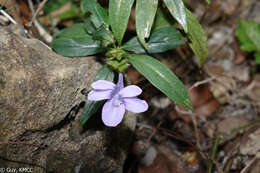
[
  {"x": 91, "y": 107},
  {"x": 74, "y": 31},
  {"x": 257, "y": 57},
  {"x": 104, "y": 35},
  {"x": 119, "y": 12},
  {"x": 198, "y": 38},
  {"x": 248, "y": 33},
  {"x": 177, "y": 10},
  {"x": 98, "y": 14},
  {"x": 162, "y": 78},
  {"x": 105, "y": 73},
  {"x": 162, "y": 19},
  {"x": 145, "y": 13},
  {"x": 161, "y": 40},
  {"x": 77, "y": 47}
]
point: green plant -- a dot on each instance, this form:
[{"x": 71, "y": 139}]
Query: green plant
[
  {"x": 103, "y": 32},
  {"x": 248, "y": 33}
]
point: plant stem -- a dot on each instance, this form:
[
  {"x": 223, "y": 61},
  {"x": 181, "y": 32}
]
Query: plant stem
[{"x": 213, "y": 155}]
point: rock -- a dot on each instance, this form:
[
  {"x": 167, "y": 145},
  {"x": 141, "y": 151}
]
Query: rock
[{"x": 40, "y": 109}]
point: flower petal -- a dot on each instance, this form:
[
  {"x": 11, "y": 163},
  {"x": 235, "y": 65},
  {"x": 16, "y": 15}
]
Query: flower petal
[
  {"x": 103, "y": 85},
  {"x": 112, "y": 115},
  {"x": 130, "y": 91},
  {"x": 120, "y": 82},
  {"x": 96, "y": 95},
  {"x": 135, "y": 105}
]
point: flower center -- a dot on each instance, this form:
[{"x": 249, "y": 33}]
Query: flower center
[{"x": 117, "y": 100}]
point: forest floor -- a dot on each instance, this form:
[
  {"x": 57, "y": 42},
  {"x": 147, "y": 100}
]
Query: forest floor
[{"x": 223, "y": 134}]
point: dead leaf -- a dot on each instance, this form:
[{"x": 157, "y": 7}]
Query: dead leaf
[
  {"x": 251, "y": 143},
  {"x": 166, "y": 161},
  {"x": 200, "y": 95},
  {"x": 208, "y": 108}
]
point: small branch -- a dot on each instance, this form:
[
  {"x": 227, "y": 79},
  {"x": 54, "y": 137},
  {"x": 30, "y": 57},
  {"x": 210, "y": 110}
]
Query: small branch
[
  {"x": 46, "y": 36},
  {"x": 8, "y": 16},
  {"x": 234, "y": 130},
  {"x": 36, "y": 13},
  {"x": 169, "y": 133},
  {"x": 194, "y": 121},
  {"x": 245, "y": 169},
  {"x": 206, "y": 157},
  {"x": 217, "y": 141},
  {"x": 154, "y": 131},
  {"x": 201, "y": 82},
  {"x": 31, "y": 6}
]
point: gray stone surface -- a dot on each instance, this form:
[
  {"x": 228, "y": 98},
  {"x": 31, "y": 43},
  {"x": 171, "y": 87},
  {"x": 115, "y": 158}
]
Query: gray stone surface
[{"x": 41, "y": 104}]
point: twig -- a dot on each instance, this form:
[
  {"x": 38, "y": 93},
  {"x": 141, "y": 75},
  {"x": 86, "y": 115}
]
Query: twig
[
  {"x": 36, "y": 13},
  {"x": 196, "y": 131},
  {"x": 206, "y": 157},
  {"x": 154, "y": 131},
  {"x": 217, "y": 141},
  {"x": 31, "y": 6},
  {"x": 245, "y": 169},
  {"x": 168, "y": 132},
  {"x": 8, "y": 16},
  {"x": 201, "y": 82},
  {"x": 46, "y": 36},
  {"x": 229, "y": 158},
  {"x": 234, "y": 130}
]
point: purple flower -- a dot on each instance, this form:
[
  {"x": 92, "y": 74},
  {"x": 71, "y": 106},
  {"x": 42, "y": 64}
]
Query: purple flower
[{"x": 118, "y": 98}]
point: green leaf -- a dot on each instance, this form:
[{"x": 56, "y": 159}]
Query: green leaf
[
  {"x": 69, "y": 14},
  {"x": 91, "y": 107},
  {"x": 105, "y": 73},
  {"x": 161, "y": 40},
  {"x": 104, "y": 35},
  {"x": 119, "y": 12},
  {"x": 99, "y": 15},
  {"x": 257, "y": 57},
  {"x": 74, "y": 31},
  {"x": 162, "y": 19},
  {"x": 77, "y": 47},
  {"x": 134, "y": 45},
  {"x": 162, "y": 78},
  {"x": 248, "y": 33},
  {"x": 51, "y": 6},
  {"x": 198, "y": 38},
  {"x": 89, "y": 26},
  {"x": 177, "y": 10},
  {"x": 208, "y": 1},
  {"x": 72, "y": 13},
  {"x": 145, "y": 13},
  {"x": 164, "y": 39}
]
